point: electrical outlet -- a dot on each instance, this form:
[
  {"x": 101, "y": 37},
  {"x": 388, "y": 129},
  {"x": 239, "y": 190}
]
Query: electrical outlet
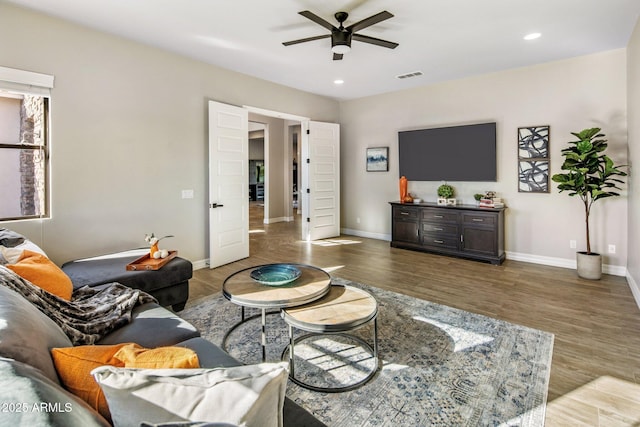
[
  {"x": 187, "y": 194},
  {"x": 612, "y": 249},
  {"x": 358, "y": 220},
  {"x": 572, "y": 244}
]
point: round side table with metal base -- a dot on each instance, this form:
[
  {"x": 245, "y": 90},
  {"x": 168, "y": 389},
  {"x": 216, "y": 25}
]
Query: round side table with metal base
[
  {"x": 344, "y": 309},
  {"x": 241, "y": 289}
]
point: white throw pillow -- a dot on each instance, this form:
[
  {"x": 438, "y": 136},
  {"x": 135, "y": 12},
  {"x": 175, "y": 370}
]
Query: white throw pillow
[
  {"x": 250, "y": 395},
  {"x": 11, "y": 255}
]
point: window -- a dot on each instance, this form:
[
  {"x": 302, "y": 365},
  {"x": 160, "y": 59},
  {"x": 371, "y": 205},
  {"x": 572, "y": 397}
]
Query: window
[{"x": 24, "y": 144}]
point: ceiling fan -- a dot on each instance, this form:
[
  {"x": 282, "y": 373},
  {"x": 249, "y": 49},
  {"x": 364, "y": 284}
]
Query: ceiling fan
[{"x": 341, "y": 36}]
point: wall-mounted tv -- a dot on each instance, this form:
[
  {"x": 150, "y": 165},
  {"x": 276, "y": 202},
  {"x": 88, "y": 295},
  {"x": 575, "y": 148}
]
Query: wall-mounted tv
[{"x": 455, "y": 153}]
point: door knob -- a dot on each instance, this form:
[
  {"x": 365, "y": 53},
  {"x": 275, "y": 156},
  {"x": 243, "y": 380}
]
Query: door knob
[{"x": 215, "y": 205}]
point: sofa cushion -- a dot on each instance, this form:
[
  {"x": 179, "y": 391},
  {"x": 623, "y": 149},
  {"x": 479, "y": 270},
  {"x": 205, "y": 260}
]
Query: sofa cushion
[
  {"x": 112, "y": 268},
  {"x": 243, "y": 395},
  {"x": 152, "y": 326},
  {"x": 209, "y": 354},
  {"x": 26, "y": 334},
  {"x": 42, "y": 272},
  {"x": 31, "y": 399},
  {"x": 74, "y": 366}
]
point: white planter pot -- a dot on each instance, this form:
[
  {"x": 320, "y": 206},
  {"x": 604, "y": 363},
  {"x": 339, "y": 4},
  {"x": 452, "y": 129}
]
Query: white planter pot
[{"x": 589, "y": 266}]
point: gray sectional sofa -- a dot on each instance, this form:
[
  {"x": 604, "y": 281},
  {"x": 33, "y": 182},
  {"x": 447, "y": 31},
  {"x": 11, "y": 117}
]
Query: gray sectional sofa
[{"x": 31, "y": 393}]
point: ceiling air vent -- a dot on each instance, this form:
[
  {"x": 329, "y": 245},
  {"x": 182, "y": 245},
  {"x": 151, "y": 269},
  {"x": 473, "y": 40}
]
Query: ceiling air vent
[{"x": 407, "y": 75}]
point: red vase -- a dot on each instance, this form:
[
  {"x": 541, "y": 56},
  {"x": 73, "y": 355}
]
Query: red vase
[{"x": 403, "y": 188}]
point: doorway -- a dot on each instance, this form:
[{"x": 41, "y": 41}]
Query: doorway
[{"x": 228, "y": 177}]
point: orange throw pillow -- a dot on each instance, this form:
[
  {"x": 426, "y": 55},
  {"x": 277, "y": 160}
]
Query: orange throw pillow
[
  {"x": 134, "y": 356},
  {"x": 74, "y": 366},
  {"x": 42, "y": 272}
]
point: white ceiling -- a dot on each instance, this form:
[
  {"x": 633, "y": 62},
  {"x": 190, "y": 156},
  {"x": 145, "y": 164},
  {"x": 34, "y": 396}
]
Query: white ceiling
[{"x": 445, "y": 39}]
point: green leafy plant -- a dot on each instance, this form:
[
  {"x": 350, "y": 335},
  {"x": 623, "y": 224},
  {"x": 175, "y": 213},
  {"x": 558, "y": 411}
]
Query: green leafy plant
[
  {"x": 590, "y": 174},
  {"x": 478, "y": 196},
  {"x": 446, "y": 191}
]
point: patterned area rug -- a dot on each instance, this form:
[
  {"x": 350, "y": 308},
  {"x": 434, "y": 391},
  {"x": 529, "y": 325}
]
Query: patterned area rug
[{"x": 438, "y": 365}]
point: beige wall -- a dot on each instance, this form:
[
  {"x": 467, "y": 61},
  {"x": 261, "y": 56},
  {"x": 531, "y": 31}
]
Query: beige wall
[
  {"x": 633, "y": 96},
  {"x": 568, "y": 95},
  {"x": 275, "y": 156},
  {"x": 129, "y": 132}
]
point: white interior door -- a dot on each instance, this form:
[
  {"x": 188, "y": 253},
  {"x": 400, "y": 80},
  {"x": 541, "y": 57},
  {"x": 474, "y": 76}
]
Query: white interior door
[
  {"x": 320, "y": 180},
  {"x": 228, "y": 184}
]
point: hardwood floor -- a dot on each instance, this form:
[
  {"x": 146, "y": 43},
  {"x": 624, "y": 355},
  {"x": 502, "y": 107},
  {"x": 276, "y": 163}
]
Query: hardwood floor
[{"x": 596, "y": 359}]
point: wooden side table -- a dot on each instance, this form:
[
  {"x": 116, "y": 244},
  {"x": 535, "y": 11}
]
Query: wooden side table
[
  {"x": 344, "y": 309},
  {"x": 241, "y": 289}
]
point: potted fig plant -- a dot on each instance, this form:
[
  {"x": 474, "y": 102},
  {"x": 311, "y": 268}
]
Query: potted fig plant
[{"x": 591, "y": 175}]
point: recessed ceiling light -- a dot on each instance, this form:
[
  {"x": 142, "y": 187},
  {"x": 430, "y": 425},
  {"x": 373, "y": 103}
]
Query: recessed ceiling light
[
  {"x": 532, "y": 36},
  {"x": 338, "y": 81}
]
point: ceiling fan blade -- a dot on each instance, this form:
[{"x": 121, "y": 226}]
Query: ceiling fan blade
[
  {"x": 337, "y": 56},
  {"x": 367, "y": 22},
  {"x": 373, "y": 40},
  {"x": 315, "y": 18},
  {"x": 308, "y": 39}
]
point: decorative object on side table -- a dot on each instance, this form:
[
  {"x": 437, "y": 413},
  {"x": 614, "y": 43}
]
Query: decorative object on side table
[
  {"x": 154, "y": 251},
  {"x": 445, "y": 195},
  {"x": 533, "y": 159},
  {"x": 591, "y": 175},
  {"x": 275, "y": 274},
  {"x": 378, "y": 159}
]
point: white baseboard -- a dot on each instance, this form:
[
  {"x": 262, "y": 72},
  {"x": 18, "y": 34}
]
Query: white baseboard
[
  {"x": 279, "y": 219},
  {"x": 615, "y": 270},
  {"x": 203, "y": 263},
  {"x": 367, "y": 234},
  {"x": 635, "y": 288}
]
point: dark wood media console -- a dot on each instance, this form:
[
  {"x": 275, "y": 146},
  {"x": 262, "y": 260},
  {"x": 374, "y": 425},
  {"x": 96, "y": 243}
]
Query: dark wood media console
[{"x": 466, "y": 231}]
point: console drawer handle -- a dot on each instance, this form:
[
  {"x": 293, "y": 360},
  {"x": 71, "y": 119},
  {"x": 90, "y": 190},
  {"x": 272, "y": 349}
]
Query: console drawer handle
[
  {"x": 438, "y": 216},
  {"x": 438, "y": 241},
  {"x": 437, "y": 229},
  {"x": 477, "y": 219},
  {"x": 404, "y": 213}
]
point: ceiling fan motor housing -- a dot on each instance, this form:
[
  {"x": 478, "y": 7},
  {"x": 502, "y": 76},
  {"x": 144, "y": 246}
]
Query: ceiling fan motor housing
[{"x": 340, "y": 38}]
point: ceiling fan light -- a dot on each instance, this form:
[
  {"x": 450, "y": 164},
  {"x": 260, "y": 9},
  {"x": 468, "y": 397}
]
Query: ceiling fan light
[{"x": 340, "y": 49}]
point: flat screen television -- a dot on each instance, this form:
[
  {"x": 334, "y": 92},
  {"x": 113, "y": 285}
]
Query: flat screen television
[{"x": 455, "y": 153}]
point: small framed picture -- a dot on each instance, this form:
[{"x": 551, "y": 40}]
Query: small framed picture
[{"x": 378, "y": 159}]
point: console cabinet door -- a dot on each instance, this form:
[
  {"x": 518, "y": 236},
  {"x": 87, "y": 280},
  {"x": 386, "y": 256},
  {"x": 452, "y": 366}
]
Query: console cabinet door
[
  {"x": 406, "y": 231},
  {"x": 479, "y": 233},
  {"x": 405, "y": 224}
]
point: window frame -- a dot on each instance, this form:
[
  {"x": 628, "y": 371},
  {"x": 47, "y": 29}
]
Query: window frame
[{"x": 45, "y": 148}]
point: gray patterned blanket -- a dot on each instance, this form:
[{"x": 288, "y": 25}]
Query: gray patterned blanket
[{"x": 90, "y": 315}]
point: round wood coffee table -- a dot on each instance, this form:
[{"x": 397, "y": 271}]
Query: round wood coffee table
[
  {"x": 241, "y": 289},
  {"x": 345, "y": 308}
]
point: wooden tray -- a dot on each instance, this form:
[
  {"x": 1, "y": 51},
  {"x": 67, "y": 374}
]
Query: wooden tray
[{"x": 145, "y": 262}]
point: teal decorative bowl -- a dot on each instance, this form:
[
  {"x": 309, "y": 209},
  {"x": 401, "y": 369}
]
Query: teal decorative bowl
[{"x": 275, "y": 275}]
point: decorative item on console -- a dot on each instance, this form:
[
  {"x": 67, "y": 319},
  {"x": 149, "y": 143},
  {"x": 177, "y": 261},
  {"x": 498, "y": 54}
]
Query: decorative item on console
[
  {"x": 489, "y": 200},
  {"x": 403, "y": 188},
  {"x": 445, "y": 195},
  {"x": 154, "y": 251}
]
